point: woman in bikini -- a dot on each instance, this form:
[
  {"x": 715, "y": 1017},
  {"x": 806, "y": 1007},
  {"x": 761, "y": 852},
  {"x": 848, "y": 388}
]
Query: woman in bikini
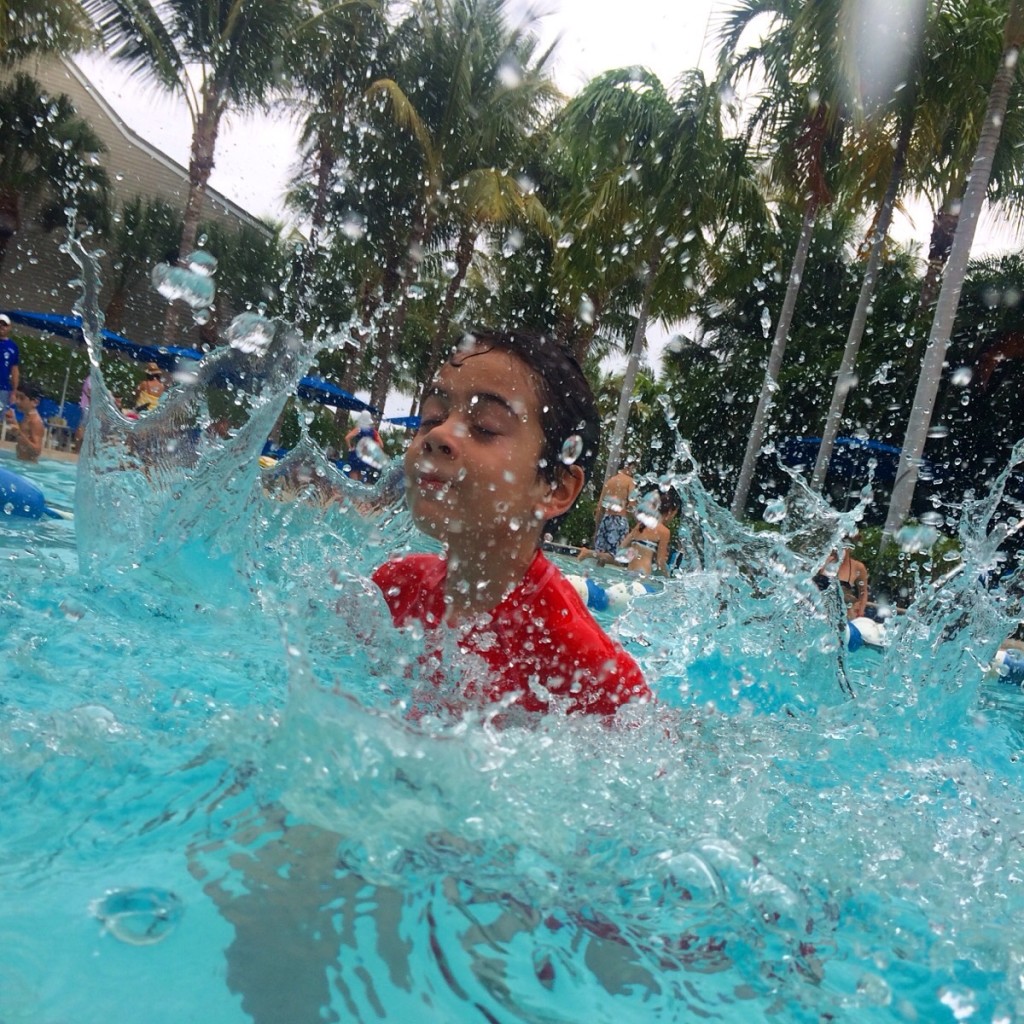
[{"x": 852, "y": 577}]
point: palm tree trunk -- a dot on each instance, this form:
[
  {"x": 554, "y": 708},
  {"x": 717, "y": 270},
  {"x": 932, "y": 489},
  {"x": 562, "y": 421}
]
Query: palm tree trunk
[
  {"x": 953, "y": 278},
  {"x": 846, "y": 379},
  {"x": 939, "y": 246},
  {"x": 380, "y": 382},
  {"x": 618, "y": 437},
  {"x": 463, "y": 256},
  {"x": 771, "y": 377},
  {"x": 200, "y": 167}
]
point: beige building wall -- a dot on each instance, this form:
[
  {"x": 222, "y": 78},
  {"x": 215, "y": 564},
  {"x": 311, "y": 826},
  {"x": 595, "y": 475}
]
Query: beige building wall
[{"x": 36, "y": 274}]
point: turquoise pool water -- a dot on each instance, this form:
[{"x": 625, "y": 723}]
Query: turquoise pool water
[{"x": 216, "y": 809}]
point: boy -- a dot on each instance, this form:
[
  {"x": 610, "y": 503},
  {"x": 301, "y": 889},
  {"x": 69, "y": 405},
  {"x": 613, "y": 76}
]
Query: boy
[
  {"x": 508, "y": 429},
  {"x": 29, "y": 445}
]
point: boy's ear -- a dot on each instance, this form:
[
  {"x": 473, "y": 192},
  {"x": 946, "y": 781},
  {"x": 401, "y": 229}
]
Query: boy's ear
[{"x": 564, "y": 491}]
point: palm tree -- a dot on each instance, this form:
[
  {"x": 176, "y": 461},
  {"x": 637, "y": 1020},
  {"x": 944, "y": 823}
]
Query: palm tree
[
  {"x": 335, "y": 57},
  {"x": 47, "y": 154},
  {"x": 146, "y": 232},
  {"x": 891, "y": 167},
  {"x": 953, "y": 278},
  {"x": 801, "y": 117},
  {"x": 43, "y": 26},
  {"x": 469, "y": 92},
  {"x": 655, "y": 182},
  {"x": 215, "y": 54}
]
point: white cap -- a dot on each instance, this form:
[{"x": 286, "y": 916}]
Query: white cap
[
  {"x": 364, "y": 420},
  {"x": 5, "y": 319}
]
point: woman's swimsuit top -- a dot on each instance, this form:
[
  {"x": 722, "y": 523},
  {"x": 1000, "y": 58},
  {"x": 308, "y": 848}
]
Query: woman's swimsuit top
[{"x": 651, "y": 545}]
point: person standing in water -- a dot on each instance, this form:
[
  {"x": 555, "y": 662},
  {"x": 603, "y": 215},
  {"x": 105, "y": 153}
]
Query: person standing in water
[
  {"x": 645, "y": 547},
  {"x": 852, "y": 577},
  {"x": 10, "y": 358},
  {"x": 611, "y": 516},
  {"x": 32, "y": 431},
  {"x": 358, "y": 467},
  {"x": 509, "y": 428}
]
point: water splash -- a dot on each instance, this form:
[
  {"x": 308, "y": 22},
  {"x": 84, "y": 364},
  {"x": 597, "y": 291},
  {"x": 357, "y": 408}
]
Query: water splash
[{"x": 788, "y": 830}]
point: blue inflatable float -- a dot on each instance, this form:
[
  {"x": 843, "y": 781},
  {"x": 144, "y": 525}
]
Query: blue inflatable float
[
  {"x": 1008, "y": 665},
  {"x": 21, "y": 497}
]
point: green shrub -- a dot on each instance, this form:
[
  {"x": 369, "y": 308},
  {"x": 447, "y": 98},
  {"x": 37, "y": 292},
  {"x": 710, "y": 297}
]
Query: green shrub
[
  {"x": 578, "y": 525},
  {"x": 898, "y": 573},
  {"x": 47, "y": 362}
]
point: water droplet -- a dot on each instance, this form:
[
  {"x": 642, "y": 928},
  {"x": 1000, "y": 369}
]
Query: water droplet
[
  {"x": 961, "y": 376},
  {"x": 938, "y": 430},
  {"x": 564, "y": 241},
  {"x": 766, "y": 321},
  {"x": 775, "y": 511},
  {"x": 353, "y": 226},
  {"x": 917, "y": 538},
  {"x": 572, "y": 449},
  {"x": 140, "y": 917},
  {"x": 202, "y": 263},
  {"x": 371, "y": 453},
  {"x": 250, "y": 332},
  {"x": 586, "y": 310},
  {"x": 178, "y": 283},
  {"x": 648, "y": 512}
]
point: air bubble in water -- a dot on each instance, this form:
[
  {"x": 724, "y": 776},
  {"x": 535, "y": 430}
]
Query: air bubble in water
[
  {"x": 139, "y": 917},
  {"x": 572, "y": 449}
]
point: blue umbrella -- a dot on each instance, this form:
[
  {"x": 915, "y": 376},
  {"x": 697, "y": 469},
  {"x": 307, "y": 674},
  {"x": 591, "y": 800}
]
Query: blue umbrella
[
  {"x": 166, "y": 356},
  {"x": 312, "y": 389},
  {"x": 316, "y": 389},
  {"x": 851, "y": 457}
]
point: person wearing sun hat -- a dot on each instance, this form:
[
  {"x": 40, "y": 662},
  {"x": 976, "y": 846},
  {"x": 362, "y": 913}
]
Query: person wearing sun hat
[
  {"x": 150, "y": 390},
  {"x": 10, "y": 356}
]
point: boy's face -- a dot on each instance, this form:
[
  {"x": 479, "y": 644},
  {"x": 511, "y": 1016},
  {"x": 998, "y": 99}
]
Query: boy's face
[
  {"x": 472, "y": 467},
  {"x": 23, "y": 402}
]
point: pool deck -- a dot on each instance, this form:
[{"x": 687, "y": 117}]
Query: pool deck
[{"x": 57, "y": 454}]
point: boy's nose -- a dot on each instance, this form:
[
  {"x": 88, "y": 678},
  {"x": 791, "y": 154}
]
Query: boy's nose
[{"x": 444, "y": 436}]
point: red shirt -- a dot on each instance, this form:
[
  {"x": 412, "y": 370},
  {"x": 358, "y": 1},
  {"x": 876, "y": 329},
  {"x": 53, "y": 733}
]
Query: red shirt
[{"x": 537, "y": 643}]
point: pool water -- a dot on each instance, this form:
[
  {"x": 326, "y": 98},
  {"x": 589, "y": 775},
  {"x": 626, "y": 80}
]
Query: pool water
[{"x": 218, "y": 810}]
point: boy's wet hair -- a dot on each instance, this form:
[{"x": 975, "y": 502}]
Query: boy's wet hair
[
  {"x": 30, "y": 389},
  {"x": 567, "y": 403}
]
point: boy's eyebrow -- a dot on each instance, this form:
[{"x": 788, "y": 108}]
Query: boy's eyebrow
[{"x": 436, "y": 391}]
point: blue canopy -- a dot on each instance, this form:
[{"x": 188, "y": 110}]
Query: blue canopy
[
  {"x": 850, "y": 457},
  {"x": 312, "y": 389},
  {"x": 166, "y": 356},
  {"x": 409, "y": 422},
  {"x": 316, "y": 389}
]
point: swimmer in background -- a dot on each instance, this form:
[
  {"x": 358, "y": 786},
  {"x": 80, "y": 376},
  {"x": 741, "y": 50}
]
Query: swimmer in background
[
  {"x": 852, "y": 577},
  {"x": 358, "y": 467},
  {"x": 150, "y": 390},
  {"x": 645, "y": 547},
  {"x": 29, "y": 445},
  {"x": 508, "y": 429},
  {"x": 611, "y": 516}
]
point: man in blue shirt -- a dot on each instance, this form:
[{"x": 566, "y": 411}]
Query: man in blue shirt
[{"x": 10, "y": 372}]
